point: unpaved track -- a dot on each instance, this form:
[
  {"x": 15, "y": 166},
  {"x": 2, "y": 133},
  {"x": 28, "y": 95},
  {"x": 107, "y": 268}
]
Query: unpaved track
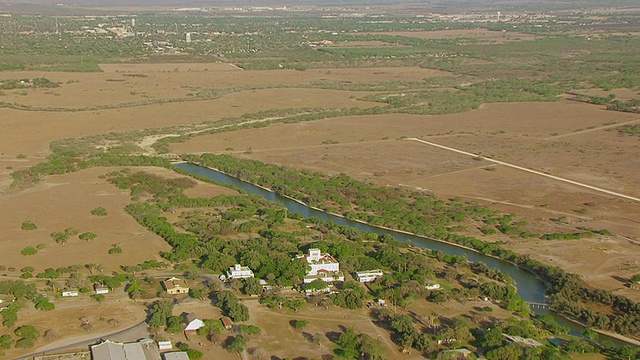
[{"x": 587, "y": 186}]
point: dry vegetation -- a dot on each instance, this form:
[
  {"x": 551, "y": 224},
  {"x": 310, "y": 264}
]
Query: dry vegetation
[{"x": 567, "y": 138}]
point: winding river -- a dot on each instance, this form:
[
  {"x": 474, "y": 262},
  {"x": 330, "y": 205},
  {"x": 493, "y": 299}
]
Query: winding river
[{"x": 529, "y": 287}]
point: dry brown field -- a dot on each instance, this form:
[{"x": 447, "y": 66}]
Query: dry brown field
[
  {"x": 128, "y": 83},
  {"x": 64, "y": 201},
  {"x": 569, "y": 139},
  {"x": 482, "y": 35},
  {"x": 66, "y": 320}
]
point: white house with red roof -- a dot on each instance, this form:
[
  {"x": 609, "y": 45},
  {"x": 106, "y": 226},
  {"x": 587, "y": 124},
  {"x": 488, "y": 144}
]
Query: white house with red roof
[{"x": 323, "y": 266}]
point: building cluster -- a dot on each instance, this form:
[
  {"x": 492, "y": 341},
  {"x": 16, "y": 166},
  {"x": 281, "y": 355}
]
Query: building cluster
[{"x": 145, "y": 349}]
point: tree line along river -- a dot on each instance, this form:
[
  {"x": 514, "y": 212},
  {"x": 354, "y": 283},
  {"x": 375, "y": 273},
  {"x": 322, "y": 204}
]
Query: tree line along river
[{"x": 529, "y": 287}]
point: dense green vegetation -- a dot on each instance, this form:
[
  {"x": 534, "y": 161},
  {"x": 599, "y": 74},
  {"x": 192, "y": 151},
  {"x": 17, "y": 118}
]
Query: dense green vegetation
[{"x": 427, "y": 216}]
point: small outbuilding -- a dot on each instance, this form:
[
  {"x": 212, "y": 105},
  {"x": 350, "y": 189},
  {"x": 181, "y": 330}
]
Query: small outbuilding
[
  {"x": 175, "y": 286},
  {"x": 192, "y": 327},
  {"x": 100, "y": 289},
  {"x": 226, "y": 322}
]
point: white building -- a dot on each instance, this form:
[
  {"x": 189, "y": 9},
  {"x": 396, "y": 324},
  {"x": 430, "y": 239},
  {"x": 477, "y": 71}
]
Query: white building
[
  {"x": 145, "y": 349},
  {"x": 323, "y": 266},
  {"x": 100, "y": 289},
  {"x": 433, "y": 287},
  {"x": 239, "y": 272},
  {"x": 70, "y": 293},
  {"x": 369, "y": 275}
]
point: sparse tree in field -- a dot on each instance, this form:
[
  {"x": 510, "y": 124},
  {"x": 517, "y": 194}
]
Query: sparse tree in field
[
  {"x": 6, "y": 341},
  {"x": 28, "y": 225},
  {"x": 27, "y": 332},
  {"x": 91, "y": 267},
  {"x": 87, "y": 236},
  {"x": 300, "y": 324},
  {"x": 71, "y": 231},
  {"x": 29, "y": 250},
  {"x": 115, "y": 248},
  {"x": 60, "y": 237},
  {"x": 99, "y": 211},
  {"x": 237, "y": 345}
]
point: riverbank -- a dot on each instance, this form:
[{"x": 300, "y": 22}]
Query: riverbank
[{"x": 530, "y": 286}]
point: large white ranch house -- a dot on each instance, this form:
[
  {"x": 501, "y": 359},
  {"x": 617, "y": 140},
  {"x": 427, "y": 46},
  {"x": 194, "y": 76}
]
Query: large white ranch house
[{"x": 323, "y": 266}]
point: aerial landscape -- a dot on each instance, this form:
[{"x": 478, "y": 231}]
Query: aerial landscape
[{"x": 314, "y": 179}]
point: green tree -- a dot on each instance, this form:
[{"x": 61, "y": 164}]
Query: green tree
[
  {"x": 237, "y": 345},
  {"x": 159, "y": 312},
  {"x": 6, "y": 341},
  {"x": 29, "y": 250},
  {"x": 99, "y": 211},
  {"x": 370, "y": 348},
  {"x": 300, "y": 324},
  {"x": 492, "y": 338},
  {"x": 60, "y": 237},
  {"x": 28, "y": 225},
  {"x": 174, "y": 324},
  {"x": 251, "y": 286},
  {"x": 27, "y": 332},
  {"x": 71, "y": 231},
  {"x": 87, "y": 236}
]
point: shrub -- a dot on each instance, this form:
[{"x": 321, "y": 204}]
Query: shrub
[
  {"x": 29, "y": 250},
  {"x": 28, "y": 225},
  {"x": 99, "y": 211},
  {"x": 300, "y": 324},
  {"x": 87, "y": 236}
]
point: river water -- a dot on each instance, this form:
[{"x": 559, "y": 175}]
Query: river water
[{"x": 529, "y": 287}]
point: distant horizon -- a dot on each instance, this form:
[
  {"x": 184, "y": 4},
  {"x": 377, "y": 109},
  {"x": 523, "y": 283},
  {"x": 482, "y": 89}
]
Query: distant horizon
[{"x": 205, "y": 3}]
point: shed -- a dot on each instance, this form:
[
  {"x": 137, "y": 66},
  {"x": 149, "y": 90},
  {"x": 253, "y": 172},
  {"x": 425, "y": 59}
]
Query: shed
[{"x": 226, "y": 322}]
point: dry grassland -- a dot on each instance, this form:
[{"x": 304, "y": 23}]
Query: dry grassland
[
  {"x": 65, "y": 320},
  {"x": 64, "y": 201},
  {"x": 482, "y": 35},
  {"x": 136, "y": 82}
]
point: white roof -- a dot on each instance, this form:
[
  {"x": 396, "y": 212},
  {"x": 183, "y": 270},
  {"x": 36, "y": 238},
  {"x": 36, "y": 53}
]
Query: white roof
[
  {"x": 108, "y": 350},
  {"x": 134, "y": 351},
  {"x": 194, "y": 325}
]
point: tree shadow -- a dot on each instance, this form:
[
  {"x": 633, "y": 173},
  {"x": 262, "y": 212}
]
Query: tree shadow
[
  {"x": 333, "y": 336},
  {"x": 308, "y": 336}
]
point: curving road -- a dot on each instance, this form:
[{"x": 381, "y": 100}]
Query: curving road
[
  {"x": 132, "y": 333},
  {"x": 558, "y": 178}
]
